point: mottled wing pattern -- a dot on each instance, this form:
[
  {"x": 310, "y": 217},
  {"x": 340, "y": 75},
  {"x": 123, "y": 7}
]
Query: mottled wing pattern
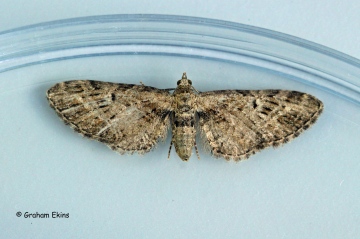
[
  {"x": 125, "y": 117},
  {"x": 235, "y": 124}
]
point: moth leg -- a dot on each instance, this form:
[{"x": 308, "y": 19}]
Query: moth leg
[
  {"x": 170, "y": 149},
  {"x": 196, "y": 149}
]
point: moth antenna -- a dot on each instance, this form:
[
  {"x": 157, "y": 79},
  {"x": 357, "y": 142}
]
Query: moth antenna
[{"x": 195, "y": 89}]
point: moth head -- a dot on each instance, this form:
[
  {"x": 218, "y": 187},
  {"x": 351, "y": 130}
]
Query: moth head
[{"x": 184, "y": 81}]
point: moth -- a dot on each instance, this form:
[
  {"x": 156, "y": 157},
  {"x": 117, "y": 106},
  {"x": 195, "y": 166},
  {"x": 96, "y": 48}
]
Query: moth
[{"x": 232, "y": 124}]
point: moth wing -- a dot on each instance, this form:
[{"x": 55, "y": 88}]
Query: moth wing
[
  {"x": 128, "y": 118},
  {"x": 235, "y": 124}
]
